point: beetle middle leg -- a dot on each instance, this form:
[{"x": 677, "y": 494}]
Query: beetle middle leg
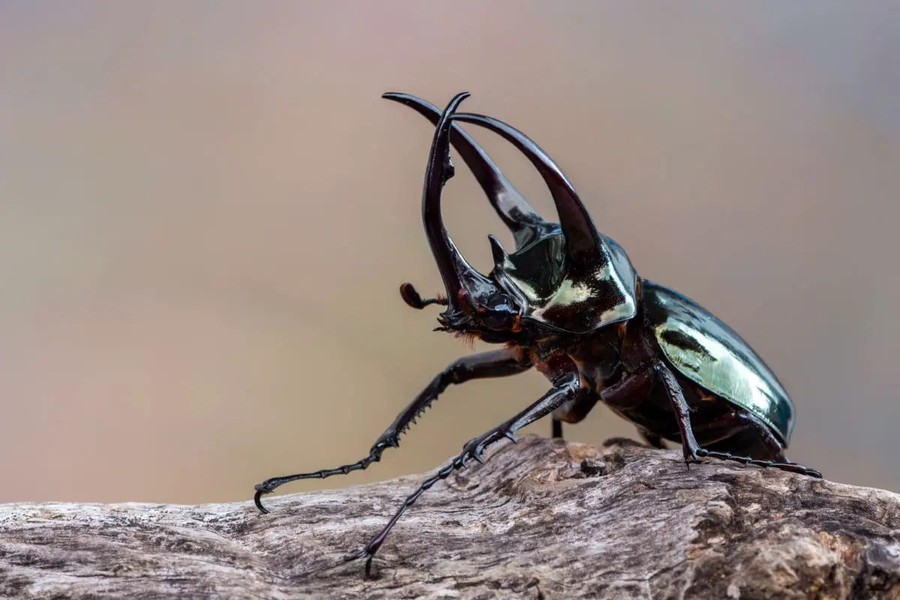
[
  {"x": 563, "y": 390},
  {"x": 572, "y": 411},
  {"x": 631, "y": 391},
  {"x": 497, "y": 363},
  {"x": 556, "y": 428},
  {"x": 653, "y": 440}
]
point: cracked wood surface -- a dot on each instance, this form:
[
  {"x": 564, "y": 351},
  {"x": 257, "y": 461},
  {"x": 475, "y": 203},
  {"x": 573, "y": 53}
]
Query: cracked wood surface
[{"x": 542, "y": 519}]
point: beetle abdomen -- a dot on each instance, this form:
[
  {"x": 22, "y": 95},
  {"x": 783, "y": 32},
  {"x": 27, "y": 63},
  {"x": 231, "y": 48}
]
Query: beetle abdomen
[{"x": 709, "y": 353}]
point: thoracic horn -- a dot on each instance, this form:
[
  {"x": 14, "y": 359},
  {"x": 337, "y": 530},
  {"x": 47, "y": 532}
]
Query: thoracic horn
[
  {"x": 583, "y": 245},
  {"x": 519, "y": 216}
]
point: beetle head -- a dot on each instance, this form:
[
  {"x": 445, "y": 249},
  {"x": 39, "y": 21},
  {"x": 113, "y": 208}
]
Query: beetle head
[{"x": 562, "y": 278}]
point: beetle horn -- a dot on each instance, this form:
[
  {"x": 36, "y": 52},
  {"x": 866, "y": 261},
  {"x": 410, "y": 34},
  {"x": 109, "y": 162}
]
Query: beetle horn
[
  {"x": 458, "y": 276},
  {"x": 583, "y": 244},
  {"x": 512, "y": 208}
]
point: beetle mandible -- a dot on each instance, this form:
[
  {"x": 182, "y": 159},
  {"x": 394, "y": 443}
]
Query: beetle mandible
[{"x": 569, "y": 303}]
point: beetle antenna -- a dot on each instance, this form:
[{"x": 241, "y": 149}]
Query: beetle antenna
[{"x": 414, "y": 300}]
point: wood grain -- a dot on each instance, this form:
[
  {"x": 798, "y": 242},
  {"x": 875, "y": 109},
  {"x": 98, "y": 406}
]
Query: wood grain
[{"x": 542, "y": 519}]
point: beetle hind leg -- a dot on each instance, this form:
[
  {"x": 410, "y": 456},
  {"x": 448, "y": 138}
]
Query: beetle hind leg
[
  {"x": 740, "y": 437},
  {"x": 746, "y": 460},
  {"x": 726, "y": 433}
]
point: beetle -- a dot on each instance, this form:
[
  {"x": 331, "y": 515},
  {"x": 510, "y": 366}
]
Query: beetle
[{"x": 568, "y": 302}]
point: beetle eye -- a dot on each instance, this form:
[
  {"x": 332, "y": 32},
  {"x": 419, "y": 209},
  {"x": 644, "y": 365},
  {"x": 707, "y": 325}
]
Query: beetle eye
[
  {"x": 499, "y": 313},
  {"x": 496, "y": 321}
]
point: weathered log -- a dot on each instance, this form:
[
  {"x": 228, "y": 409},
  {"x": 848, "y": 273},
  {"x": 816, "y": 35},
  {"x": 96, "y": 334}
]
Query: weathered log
[{"x": 542, "y": 519}]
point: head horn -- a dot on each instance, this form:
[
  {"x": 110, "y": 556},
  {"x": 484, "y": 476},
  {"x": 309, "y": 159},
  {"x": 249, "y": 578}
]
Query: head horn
[
  {"x": 583, "y": 244},
  {"x": 512, "y": 208},
  {"x": 458, "y": 276}
]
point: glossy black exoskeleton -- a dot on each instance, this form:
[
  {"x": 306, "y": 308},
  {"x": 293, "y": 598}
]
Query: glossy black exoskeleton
[{"x": 569, "y": 303}]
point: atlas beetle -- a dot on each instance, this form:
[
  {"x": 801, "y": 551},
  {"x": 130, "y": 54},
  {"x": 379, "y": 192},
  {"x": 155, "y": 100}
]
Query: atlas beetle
[{"x": 569, "y": 303}]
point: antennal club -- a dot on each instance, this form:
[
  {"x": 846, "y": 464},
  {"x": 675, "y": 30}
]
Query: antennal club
[{"x": 413, "y": 299}]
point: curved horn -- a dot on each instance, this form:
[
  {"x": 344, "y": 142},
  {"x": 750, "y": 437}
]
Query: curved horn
[
  {"x": 583, "y": 245},
  {"x": 512, "y": 208},
  {"x": 457, "y": 274}
]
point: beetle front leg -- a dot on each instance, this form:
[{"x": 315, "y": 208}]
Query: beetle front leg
[
  {"x": 498, "y": 363},
  {"x": 567, "y": 389}
]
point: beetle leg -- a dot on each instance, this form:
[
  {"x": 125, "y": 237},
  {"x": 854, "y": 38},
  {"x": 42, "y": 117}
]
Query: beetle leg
[
  {"x": 564, "y": 390},
  {"x": 557, "y": 428},
  {"x": 652, "y": 439},
  {"x": 682, "y": 412},
  {"x": 498, "y": 363},
  {"x": 746, "y": 460},
  {"x": 629, "y": 392},
  {"x": 692, "y": 450},
  {"x": 735, "y": 422}
]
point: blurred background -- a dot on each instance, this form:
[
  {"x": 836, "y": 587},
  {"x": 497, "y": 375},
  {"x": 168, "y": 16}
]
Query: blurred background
[{"x": 206, "y": 211}]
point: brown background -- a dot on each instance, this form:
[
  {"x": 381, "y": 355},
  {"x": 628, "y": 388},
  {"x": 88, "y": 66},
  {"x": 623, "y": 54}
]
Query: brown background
[{"x": 206, "y": 209}]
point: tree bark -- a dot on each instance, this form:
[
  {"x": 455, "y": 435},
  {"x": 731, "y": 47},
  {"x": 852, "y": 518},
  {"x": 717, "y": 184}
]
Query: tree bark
[{"x": 542, "y": 519}]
